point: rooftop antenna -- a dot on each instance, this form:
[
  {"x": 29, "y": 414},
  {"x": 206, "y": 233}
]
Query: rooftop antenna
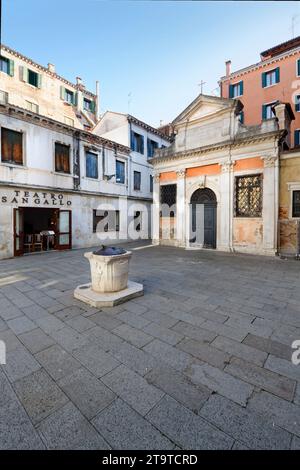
[
  {"x": 293, "y": 25},
  {"x": 201, "y": 86},
  {"x": 129, "y": 101}
]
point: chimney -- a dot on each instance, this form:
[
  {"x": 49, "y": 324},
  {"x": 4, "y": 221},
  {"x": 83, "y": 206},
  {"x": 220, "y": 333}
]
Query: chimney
[
  {"x": 51, "y": 68},
  {"x": 97, "y": 100},
  {"x": 228, "y": 67},
  {"x": 78, "y": 81}
]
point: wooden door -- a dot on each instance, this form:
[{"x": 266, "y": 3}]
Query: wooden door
[
  {"x": 18, "y": 231},
  {"x": 210, "y": 226}
]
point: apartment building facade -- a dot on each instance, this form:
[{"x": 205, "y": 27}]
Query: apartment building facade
[
  {"x": 142, "y": 139},
  {"x": 29, "y": 85}
]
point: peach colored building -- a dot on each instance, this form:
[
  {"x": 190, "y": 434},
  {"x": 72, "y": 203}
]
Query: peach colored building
[{"x": 276, "y": 77}]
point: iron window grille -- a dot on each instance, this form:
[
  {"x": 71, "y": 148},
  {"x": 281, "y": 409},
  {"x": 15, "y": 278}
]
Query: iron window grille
[
  {"x": 168, "y": 194},
  {"x": 248, "y": 196},
  {"x": 296, "y": 204}
]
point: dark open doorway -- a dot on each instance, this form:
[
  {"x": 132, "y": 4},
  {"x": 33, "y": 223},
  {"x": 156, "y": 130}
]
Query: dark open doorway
[
  {"x": 204, "y": 218},
  {"x": 41, "y": 229}
]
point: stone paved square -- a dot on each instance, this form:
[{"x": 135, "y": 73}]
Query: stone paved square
[{"x": 201, "y": 361}]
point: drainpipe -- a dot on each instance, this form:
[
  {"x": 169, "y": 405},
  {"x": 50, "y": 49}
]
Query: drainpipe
[
  {"x": 97, "y": 101},
  {"x": 76, "y": 160}
]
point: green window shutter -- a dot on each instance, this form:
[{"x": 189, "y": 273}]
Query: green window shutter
[
  {"x": 241, "y": 117},
  {"x": 230, "y": 91},
  {"x": 298, "y": 67},
  {"x": 297, "y": 105},
  {"x": 75, "y": 98},
  {"x": 263, "y": 79},
  {"x": 11, "y": 67},
  {"x": 241, "y": 87},
  {"x": 93, "y": 106},
  {"x": 277, "y": 74},
  {"x": 264, "y": 112},
  {"x": 62, "y": 93},
  {"x": 39, "y": 80},
  {"x": 25, "y": 74}
]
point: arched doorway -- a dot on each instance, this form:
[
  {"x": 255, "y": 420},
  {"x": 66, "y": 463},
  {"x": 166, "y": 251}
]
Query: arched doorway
[{"x": 204, "y": 218}]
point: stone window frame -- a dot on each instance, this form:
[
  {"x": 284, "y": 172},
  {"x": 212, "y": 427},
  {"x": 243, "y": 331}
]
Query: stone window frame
[
  {"x": 293, "y": 186},
  {"x": 61, "y": 173},
  {"x": 245, "y": 174},
  {"x": 12, "y": 127}
]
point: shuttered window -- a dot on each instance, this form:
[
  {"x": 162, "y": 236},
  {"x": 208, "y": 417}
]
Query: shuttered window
[
  {"x": 137, "y": 180},
  {"x": 151, "y": 146},
  {"x": 88, "y": 105},
  {"x": 297, "y": 138},
  {"x": 297, "y": 104},
  {"x": 236, "y": 89},
  {"x": 68, "y": 96},
  {"x": 267, "y": 111},
  {"x": 11, "y": 146},
  {"x": 137, "y": 142},
  {"x": 120, "y": 172},
  {"x": 62, "y": 158},
  {"x": 270, "y": 78},
  {"x": 91, "y": 161},
  {"x": 151, "y": 184},
  {"x": 7, "y": 66},
  {"x": 298, "y": 67}
]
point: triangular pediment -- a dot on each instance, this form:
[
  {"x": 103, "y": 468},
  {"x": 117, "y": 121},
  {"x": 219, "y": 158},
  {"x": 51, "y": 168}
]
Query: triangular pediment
[{"x": 204, "y": 106}]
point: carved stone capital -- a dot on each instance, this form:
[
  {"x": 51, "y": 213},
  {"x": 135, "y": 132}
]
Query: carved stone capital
[
  {"x": 156, "y": 177},
  {"x": 227, "y": 166},
  {"x": 181, "y": 173},
  {"x": 269, "y": 160}
]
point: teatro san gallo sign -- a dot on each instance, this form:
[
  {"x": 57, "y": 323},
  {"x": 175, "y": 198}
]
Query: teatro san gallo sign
[{"x": 33, "y": 198}]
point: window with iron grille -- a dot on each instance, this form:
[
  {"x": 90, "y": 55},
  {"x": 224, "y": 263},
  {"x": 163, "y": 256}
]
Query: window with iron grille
[
  {"x": 248, "y": 196},
  {"x": 296, "y": 204},
  {"x": 168, "y": 199}
]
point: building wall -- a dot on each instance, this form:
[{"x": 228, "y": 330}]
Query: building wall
[
  {"x": 254, "y": 95},
  {"x": 48, "y": 97},
  {"x": 289, "y": 226}
]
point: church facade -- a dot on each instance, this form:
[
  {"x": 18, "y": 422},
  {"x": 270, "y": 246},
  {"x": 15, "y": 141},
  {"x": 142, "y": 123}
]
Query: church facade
[{"x": 217, "y": 185}]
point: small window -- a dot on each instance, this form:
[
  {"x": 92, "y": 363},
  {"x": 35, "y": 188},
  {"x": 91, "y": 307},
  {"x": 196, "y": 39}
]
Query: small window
[
  {"x": 62, "y": 158},
  {"x": 137, "y": 221},
  {"x": 137, "y": 180},
  {"x": 241, "y": 117},
  {"x": 33, "y": 78},
  {"x": 168, "y": 194},
  {"x": 297, "y": 103},
  {"x": 111, "y": 222},
  {"x": 267, "y": 111},
  {"x": 270, "y": 78},
  {"x": 151, "y": 184},
  {"x": 298, "y": 68},
  {"x": 69, "y": 121},
  {"x": 297, "y": 138},
  {"x": 32, "y": 107},
  {"x": 151, "y": 146},
  {"x": 11, "y": 146},
  {"x": 248, "y": 196},
  {"x": 137, "y": 142},
  {"x": 91, "y": 162},
  {"x": 296, "y": 204},
  {"x": 88, "y": 105},
  {"x": 6, "y": 66},
  {"x": 69, "y": 96},
  {"x": 236, "y": 89},
  {"x": 3, "y": 97},
  {"x": 120, "y": 172}
]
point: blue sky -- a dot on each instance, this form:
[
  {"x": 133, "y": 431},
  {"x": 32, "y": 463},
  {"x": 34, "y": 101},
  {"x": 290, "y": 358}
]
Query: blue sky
[{"x": 158, "y": 51}]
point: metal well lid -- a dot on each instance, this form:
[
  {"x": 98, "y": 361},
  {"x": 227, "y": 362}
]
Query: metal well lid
[{"x": 109, "y": 251}]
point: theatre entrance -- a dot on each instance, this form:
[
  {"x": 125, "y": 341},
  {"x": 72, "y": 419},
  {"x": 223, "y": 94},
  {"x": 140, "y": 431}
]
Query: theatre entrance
[{"x": 41, "y": 229}]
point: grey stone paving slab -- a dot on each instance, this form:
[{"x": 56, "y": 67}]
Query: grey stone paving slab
[
  {"x": 237, "y": 334},
  {"x": 49, "y": 323},
  {"x": 132, "y": 319},
  {"x": 133, "y": 307},
  {"x": 179, "y": 387},
  {"x": 21, "y": 325},
  {"x": 94, "y": 358},
  {"x": 106, "y": 320},
  {"x": 160, "y": 318},
  {"x": 295, "y": 443},
  {"x": 185, "y": 428},
  {"x": 179, "y": 360},
  {"x": 283, "y": 413},
  {"x": 69, "y": 312},
  {"x": 39, "y": 395},
  {"x": 269, "y": 346},
  {"x": 181, "y": 315},
  {"x": 254, "y": 430},
  {"x": 35, "y": 311},
  {"x": 262, "y": 378},
  {"x": 194, "y": 332},
  {"x": 132, "y": 335},
  {"x": 218, "y": 381},
  {"x": 11, "y": 340},
  {"x": 16, "y": 429},
  {"x": 36, "y": 340},
  {"x": 240, "y": 350},
  {"x": 133, "y": 389},
  {"x": 80, "y": 324},
  {"x": 239, "y": 446},
  {"x": 283, "y": 367},
  {"x": 67, "y": 429},
  {"x": 164, "y": 334},
  {"x": 87, "y": 392},
  {"x": 134, "y": 358},
  {"x": 69, "y": 338},
  {"x": 19, "y": 363},
  {"x": 204, "y": 352},
  {"x": 124, "y": 428},
  {"x": 209, "y": 315},
  {"x": 10, "y": 312},
  {"x": 57, "y": 362}
]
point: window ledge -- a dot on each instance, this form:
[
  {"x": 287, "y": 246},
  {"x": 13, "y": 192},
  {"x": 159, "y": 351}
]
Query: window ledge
[
  {"x": 270, "y": 86},
  {"x": 69, "y": 175},
  {"x": 91, "y": 179},
  {"x": 14, "y": 165}
]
